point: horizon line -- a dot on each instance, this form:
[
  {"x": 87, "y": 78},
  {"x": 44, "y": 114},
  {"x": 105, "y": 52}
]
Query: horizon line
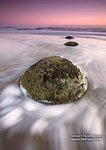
[{"x": 15, "y": 26}]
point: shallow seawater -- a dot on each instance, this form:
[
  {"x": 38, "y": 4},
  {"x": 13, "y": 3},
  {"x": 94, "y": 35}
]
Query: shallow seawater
[{"x": 26, "y": 124}]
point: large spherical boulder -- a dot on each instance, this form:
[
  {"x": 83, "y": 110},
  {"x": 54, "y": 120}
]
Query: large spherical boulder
[
  {"x": 54, "y": 80},
  {"x": 69, "y": 37},
  {"x": 71, "y": 43}
]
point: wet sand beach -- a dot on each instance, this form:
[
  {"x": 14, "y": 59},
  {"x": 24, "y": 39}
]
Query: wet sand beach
[{"x": 29, "y": 125}]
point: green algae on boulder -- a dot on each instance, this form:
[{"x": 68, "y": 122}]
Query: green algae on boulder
[
  {"x": 71, "y": 43},
  {"x": 54, "y": 80}
]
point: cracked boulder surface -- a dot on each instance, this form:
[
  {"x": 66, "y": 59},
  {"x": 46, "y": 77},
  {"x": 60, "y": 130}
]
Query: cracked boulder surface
[{"x": 54, "y": 80}]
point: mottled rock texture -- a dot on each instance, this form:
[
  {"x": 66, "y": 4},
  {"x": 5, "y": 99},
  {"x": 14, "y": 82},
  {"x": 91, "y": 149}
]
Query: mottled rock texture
[{"x": 54, "y": 80}]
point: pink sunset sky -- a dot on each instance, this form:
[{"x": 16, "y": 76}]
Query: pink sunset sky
[{"x": 52, "y": 12}]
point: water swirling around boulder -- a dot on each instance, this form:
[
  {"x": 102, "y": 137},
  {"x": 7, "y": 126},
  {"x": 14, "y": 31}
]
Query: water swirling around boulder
[
  {"x": 71, "y": 43},
  {"x": 54, "y": 80}
]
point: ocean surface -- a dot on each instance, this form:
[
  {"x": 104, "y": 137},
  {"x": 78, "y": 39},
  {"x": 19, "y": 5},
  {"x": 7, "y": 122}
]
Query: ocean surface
[
  {"x": 80, "y": 30},
  {"x": 28, "y": 125}
]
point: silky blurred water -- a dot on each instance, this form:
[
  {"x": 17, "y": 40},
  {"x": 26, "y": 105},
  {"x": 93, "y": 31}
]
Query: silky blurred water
[{"x": 29, "y": 125}]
